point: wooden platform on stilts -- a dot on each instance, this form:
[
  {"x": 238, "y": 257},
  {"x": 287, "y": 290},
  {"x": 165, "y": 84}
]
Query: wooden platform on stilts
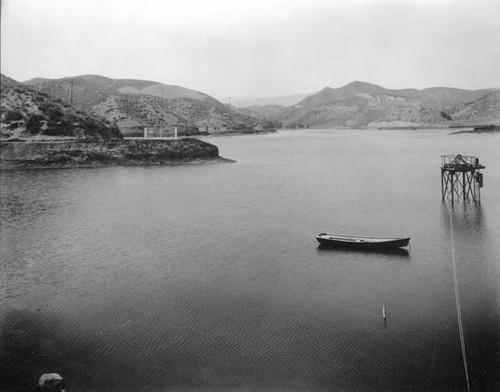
[{"x": 461, "y": 178}]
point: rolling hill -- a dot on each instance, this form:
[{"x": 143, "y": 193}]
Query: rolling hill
[
  {"x": 135, "y": 104},
  {"x": 360, "y": 104},
  {"x": 28, "y": 113}
]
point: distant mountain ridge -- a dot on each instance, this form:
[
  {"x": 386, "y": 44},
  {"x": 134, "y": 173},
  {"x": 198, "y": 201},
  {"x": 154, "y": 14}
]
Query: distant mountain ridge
[
  {"x": 284, "y": 100},
  {"x": 135, "y": 104},
  {"x": 361, "y": 104},
  {"x": 443, "y": 95}
]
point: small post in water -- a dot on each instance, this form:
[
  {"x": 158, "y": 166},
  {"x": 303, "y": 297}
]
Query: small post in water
[{"x": 384, "y": 316}]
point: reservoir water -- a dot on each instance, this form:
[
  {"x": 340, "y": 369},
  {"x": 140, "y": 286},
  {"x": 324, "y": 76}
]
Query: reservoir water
[{"x": 209, "y": 278}]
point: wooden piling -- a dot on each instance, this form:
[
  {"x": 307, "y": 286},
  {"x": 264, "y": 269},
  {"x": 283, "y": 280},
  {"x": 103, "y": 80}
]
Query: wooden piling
[{"x": 460, "y": 178}]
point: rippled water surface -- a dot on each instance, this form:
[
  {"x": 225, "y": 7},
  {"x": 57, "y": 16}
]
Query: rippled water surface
[{"x": 208, "y": 277}]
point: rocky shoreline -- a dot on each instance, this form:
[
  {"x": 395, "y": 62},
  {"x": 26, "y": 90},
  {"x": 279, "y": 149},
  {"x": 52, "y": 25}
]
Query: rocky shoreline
[
  {"x": 131, "y": 152},
  {"x": 480, "y": 129}
]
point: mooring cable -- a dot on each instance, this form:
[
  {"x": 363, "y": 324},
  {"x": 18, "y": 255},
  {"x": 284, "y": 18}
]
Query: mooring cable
[{"x": 457, "y": 301}]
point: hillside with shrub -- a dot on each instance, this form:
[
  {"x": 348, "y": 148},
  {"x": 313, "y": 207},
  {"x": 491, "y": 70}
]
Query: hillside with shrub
[
  {"x": 135, "y": 104},
  {"x": 28, "y": 114}
]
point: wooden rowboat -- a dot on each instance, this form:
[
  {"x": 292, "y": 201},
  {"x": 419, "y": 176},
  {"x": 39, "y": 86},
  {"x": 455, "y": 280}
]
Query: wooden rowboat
[{"x": 346, "y": 241}]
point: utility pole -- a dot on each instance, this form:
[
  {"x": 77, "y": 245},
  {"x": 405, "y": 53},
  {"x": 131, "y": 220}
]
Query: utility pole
[
  {"x": 71, "y": 94},
  {"x": 126, "y": 104},
  {"x": 162, "y": 100}
]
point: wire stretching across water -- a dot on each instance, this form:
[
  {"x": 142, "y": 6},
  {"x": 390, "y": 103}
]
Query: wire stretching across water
[{"x": 457, "y": 301}]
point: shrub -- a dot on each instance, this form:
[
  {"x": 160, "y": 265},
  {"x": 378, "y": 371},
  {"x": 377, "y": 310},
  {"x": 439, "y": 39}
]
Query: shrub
[
  {"x": 13, "y": 115},
  {"x": 446, "y": 116},
  {"x": 52, "y": 111},
  {"x": 33, "y": 124},
  {"x": 60, "y": 130}
]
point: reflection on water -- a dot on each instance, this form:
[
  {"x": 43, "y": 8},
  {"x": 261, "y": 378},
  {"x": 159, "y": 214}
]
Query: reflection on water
[
  {"x": 479, "y": 311},
  {"x": 210, "y": 278},
  {"x": 389, "y": 251},
  {"x": 468, "y": 219}
]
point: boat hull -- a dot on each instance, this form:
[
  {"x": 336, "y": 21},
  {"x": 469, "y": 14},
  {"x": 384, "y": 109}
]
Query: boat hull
[{"x": 365, "y": 243}]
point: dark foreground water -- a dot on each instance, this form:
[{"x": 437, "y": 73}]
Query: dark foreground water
[{"x": 209, "y": 278}]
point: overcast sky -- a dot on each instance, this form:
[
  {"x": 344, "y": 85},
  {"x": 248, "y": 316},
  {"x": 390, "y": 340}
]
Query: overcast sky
[{"x": 257, "y": 47}]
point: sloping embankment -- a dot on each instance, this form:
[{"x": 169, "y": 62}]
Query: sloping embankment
[{"x": 120, "y": 152}]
